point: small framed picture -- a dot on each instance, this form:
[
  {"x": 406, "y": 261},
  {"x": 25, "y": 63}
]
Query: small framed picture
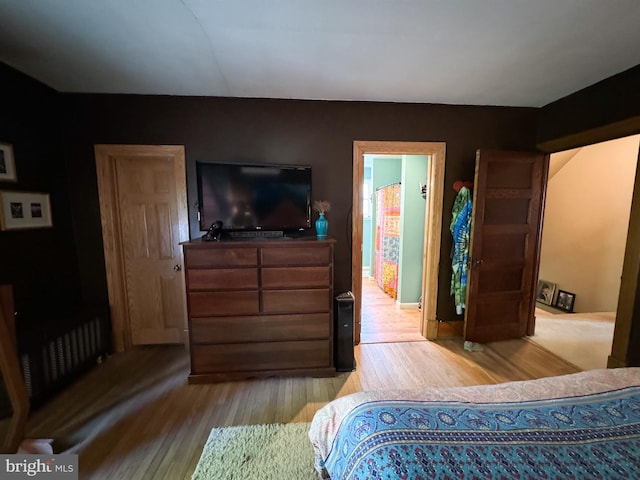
[
  {"x": 565, "y": 301},
  {"x": 545, "y": 292},
  {"x": 19, "y": 210},
  {"x": 7, "y": 163}
]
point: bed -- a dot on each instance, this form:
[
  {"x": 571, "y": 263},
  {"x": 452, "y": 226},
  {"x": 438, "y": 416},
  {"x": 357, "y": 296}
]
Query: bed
[{"x": 582, "y": 425}]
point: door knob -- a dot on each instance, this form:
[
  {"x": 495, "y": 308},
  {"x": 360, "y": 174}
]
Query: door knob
[{"x": 177, "y": 268}]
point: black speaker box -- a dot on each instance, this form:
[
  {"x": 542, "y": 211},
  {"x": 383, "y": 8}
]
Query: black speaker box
[{"x": 344, "y": 358}]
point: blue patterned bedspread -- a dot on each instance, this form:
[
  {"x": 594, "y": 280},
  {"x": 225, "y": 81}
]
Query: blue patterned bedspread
[{"x": 590, "y": 437}]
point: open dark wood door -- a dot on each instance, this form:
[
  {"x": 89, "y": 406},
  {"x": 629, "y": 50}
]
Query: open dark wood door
[{"x": 508, "y": 201}]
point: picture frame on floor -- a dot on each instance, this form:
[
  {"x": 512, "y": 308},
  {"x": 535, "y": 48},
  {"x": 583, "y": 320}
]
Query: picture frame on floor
[
  {"x": 545, "y": 292},
  {"x": 565, "y": 301}
]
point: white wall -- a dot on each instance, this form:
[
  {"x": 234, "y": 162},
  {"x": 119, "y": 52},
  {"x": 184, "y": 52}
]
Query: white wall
[{"x": 586, "y": 221}]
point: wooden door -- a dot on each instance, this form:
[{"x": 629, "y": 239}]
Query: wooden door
[
  {"x": 144, "y": 216},
  {"x": 508, "y": 201},
  {"x": 151, "y": 251}
]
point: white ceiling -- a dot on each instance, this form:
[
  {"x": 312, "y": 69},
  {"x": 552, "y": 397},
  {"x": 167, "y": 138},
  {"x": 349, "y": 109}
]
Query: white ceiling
[{"x": 475, "y": 52}]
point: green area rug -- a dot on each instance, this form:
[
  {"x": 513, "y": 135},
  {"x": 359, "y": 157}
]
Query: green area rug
[{"x": 257, "y": 452}]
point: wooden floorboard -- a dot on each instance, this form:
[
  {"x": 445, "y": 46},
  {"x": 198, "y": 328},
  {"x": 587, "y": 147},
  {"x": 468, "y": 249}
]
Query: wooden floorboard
[
  {"x": 383, "y": 320},
  {"x": 136, "y": 417}
]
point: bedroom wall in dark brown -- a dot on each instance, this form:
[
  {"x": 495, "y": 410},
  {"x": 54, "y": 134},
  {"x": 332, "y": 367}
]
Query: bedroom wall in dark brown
[
  {"x": 318, "y": 133},
  {"x": 39, "y": 263},
  {"x": 606, "y": 110},
  {"x": 314, "y": 132}
]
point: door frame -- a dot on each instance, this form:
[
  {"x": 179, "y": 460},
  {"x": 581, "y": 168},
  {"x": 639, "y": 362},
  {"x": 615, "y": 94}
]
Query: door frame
[
  {"x": 432, "y": 228},
  {"x": 11, "y": 375},
  {"x": 105, "y": 156}
]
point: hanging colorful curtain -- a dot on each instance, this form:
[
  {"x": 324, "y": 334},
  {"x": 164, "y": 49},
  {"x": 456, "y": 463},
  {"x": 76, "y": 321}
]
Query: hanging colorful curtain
[
  {"x": 461, "y": 231},
  {"x": 387, "y": 238}
]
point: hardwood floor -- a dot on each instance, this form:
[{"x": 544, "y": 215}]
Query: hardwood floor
[
  {"x": 135, "y": 417},
  {"x": 383, "y": 321}
]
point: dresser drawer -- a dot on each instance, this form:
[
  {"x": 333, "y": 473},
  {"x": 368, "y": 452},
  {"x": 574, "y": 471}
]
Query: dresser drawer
[
  {"x": 264, "y": 328},
  {"x": 274, "y": 277},
  {"x": 214, "y": 257},
  {"x": 296, "y": 256},
  {"x": 296, "y": 301},
  {"x": 260, "y": 356},
  {"x": 259, "y": 308},
  {"x": 222, "y": 278},
  {"x": 205, "y": 304}
]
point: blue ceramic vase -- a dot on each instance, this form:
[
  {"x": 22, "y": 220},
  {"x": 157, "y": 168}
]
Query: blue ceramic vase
[{"x": 321, "y": 226}]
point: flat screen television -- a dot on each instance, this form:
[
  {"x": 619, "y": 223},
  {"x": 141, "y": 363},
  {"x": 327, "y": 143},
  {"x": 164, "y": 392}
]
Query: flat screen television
[{"x": 248, "y": 197}]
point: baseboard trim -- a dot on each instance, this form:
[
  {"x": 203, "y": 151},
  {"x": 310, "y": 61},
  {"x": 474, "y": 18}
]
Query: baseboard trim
[{"x": 408, "y": 306}]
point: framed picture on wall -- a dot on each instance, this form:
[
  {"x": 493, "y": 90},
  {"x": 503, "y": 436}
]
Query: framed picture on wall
[
  {"x": 545, "y": 292},
  {"x": 7, "y": 163},
  {"x": 565, "y": 301},
  {"x": 19, "y": 210}
]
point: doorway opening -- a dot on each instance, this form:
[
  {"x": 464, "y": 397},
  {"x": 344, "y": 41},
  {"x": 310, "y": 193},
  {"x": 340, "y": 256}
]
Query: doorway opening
[
  {"x": 393, "y": 232},
  {"x": 586, "y": 222},
  {"x": 434, "y": 188}
]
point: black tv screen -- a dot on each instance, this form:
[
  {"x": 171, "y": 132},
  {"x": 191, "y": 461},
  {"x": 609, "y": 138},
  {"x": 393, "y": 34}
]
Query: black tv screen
[{"x": 254, "y": 197}]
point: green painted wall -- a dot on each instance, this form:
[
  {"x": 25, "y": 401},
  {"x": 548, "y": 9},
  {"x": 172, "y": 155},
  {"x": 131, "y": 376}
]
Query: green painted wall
[
  {"x": 414, "y": 174},
  {"x": 367, "y": 236}
]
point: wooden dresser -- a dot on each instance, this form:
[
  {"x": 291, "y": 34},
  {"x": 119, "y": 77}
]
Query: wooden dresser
[{"x": 259, "y": 308}]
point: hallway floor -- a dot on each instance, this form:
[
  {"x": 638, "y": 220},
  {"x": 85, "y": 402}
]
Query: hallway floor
[{"x": 383, "y": 321}]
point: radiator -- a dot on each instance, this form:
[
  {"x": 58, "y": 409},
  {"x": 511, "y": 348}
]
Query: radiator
[{"x": 53, "y": 359}]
